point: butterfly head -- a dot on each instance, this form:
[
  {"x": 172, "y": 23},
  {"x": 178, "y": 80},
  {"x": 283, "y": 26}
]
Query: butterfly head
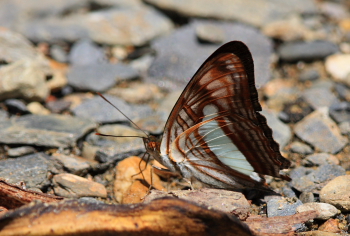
[{"x": 152, "y": 145}]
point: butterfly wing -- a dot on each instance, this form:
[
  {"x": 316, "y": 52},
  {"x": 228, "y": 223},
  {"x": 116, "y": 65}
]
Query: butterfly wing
[{"x": 215, "y": 132}]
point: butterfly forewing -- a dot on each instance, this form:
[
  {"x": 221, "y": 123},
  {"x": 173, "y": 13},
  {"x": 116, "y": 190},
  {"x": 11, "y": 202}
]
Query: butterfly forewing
[{"x": 215, "y": 132}]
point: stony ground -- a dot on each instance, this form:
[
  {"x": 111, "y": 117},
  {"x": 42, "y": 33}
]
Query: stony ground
[{"x": 56, "y": 55}]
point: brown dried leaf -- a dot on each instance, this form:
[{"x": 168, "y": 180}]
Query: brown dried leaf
[
  {"x": 167, "y": 216},
  {"x": 278, "y": 225},
  {"x": 13, "y": 196},
  {"x": 130, "y": 188}
]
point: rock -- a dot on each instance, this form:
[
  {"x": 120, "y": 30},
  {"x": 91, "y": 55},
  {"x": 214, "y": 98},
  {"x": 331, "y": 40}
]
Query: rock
[
  {"x": 179, "y": 54},
  {"x": 100, "y": 111},
  {"x": 58, "y": 106},
  {"x": 319, "y": 159},
  {"x": 313, "y": 180},
  {"x": 332, "y": 227},
  {"x": 37, "y": 108},
  {"x": 210, "y": 33},
  {"x": 340, "y": 111},
  {"x": 302, "y": 148},
  {"x": 58, "y": 53},
  {"x": 345, "y": 128},
  {"x": 137, "y": 93},
  {"x": 309, "y": 75},
  {"x": 20, "y": 151},
  {"x": 68, "y": 185},
  {"x": 41, "y": 130},
  {"x": 111, "y": 149},
  {"x": 343, "y": 91},
  {"x": 99, "y": 77},
  {"x": 288, "y": 192},
  {"x": 337, "y": 193},
  {"x": 306, "y": 51},
  {"x": 256, "y": 13},
  {"x": 281, "y": 92},
  {"x": 338, "y": 67},
  {"x": 73, "y": 164},
  {"x": 324, "y": 210},
  {"x": 281, "y": 132},
  {"x": 24, "y": 78},
  {"x": 291, "y": 29},
  {"x": 307, "y": 197},
  {"x": 16, "y": 106},
  {"x": 295, "y": 111},
  {"x": 219, "y": 199},
  {"x": 279, "y": 206},
  {"x": 14, "y": 47},
  {"x": 320, "y": 131},
  {"x": 32, "y": 169},
  {"x": 4, "y": 115},
  {"x": 115, "y": 26},
  {"x": 85, "y": 52},
  {"x": 334, "y": 10}
]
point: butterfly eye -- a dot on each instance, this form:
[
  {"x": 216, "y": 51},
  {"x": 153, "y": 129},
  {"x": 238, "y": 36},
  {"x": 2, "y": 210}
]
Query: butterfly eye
[{"x": 152, "y": 145}]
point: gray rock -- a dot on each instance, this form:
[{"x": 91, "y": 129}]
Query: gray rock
[
  {"x": 116, "y": 26},
  {"x": 100, "y": 111},
  {"x": 20, "y": 151},
  {"x": 16, "y": 106},
  {"x": 58, "y": 53},
  {"x": 313, "y": 180},
  {"x": 68, "y": 185},
  {"x": 281, "y": 132},
  {"x": 44, "y": 130},
  {"x": 343, "y": 91},
  {"x": 302, "y": 148},
  {"x": 309, "y": 75},
  {"x": 252, "y": 12},
  {"x": 85, "y": 52},
  {"x": 319, "y": 159},
  {"x": 111, "y": 149},
  {"x": 345, "y": 128},
  {"x": 324, "y": 210},
  {"x": 288, "y": 192},
  {"x": 73, "y": 164},
  {"x": 4, "y": 115},
  {"x": 179, "y": 55},
  {"x": 279, "y": 206},
  {"x": 320, "y": 131},
  {"x": 32, "y": 169},
  {"x": 99, "y": 77},
  {"x": 307, "y": 197},
  {"x": 319, "y": 97},
  {"x": 306, "y": 51},
  {"x": 14, "y": 47},
  {"x": 24, "y": 78},
  {"x": 340, "y": 111},
  {"x": 210, "y": 33}
]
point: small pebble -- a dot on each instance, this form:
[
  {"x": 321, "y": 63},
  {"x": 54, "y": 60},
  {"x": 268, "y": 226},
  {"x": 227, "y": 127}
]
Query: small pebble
[
  {"x": 324, "y": 210},
  {"x": 337, "y": 193},
  {"x": 68, "y": 185}
]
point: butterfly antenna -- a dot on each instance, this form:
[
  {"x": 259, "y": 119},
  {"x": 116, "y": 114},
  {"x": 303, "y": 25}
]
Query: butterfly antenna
[{"x": 124, "y": 116}]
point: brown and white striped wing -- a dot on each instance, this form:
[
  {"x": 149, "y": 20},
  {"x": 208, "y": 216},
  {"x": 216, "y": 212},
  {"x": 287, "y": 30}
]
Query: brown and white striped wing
[{"x": 215, "y": 127}]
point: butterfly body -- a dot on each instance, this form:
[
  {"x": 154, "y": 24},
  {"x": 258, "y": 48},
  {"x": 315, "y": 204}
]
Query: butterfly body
[{"x": 215, "y": 132}]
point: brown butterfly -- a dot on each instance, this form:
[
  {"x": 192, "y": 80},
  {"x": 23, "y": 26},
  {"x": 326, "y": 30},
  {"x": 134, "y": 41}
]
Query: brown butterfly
[{"x": 215, "y": 133}]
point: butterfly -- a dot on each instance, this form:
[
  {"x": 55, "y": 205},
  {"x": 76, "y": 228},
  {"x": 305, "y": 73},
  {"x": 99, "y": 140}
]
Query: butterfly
[{"x": 215, "y": 133}]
